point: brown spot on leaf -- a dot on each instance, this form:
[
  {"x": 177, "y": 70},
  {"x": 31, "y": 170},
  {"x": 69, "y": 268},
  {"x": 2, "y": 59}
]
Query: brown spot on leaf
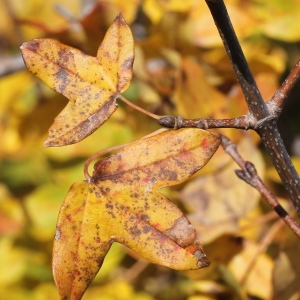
[
  {"x": 182, "y": 232},
  {"x": 146, "y": 229},
  {"x": 127, "y": 64},
  {"x": 65, "y": 56},
  {"x": 62, "y": 76},
  {"x": 169, "y": 175},
  {"x": 33, "y": 45}
]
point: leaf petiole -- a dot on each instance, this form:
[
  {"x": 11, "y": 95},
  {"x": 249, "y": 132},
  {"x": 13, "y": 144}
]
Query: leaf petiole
[
  {"x": 144, "y": 111},
  {"x": 105, "y": 151}
]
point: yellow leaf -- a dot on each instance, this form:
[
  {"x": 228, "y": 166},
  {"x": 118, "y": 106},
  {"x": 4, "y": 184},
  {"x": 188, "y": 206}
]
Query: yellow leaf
[
  {"x": 45, "y": 291},
  {"x": 128, "y": 8},
  {"x": 282, "y": 23},
  {"x": 121, "y": 203},
  {"x": 193, "y": 90},
  {"x": 92, "y": 84},
  {"x": 12, "y": 262},
  {"x": 156, "y": 9},
  {"x": 283, "y": 27},
  {"x": 218, "y": 200},
  {"x": 205, "y": 33},
  {"x": 208, "y": 287},
  {"x": 42, "y": 206},
  {"x": 111, "y": 133},
  {"x": 12, "y": 218},
  {"x": 39, "y": 12},
  {"x": 116, "y": 290},
  {"x": 283, "y": 273},
  {"x": 259, "y": 282},
  {"x": 201, "y": 298},
  {"x": 13, "y": 105},
  {"x": 112, "y": 261}
]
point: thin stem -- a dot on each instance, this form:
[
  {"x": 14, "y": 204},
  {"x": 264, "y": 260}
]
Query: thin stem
[
  {"x": 146, "y": 112},
  {"x": 230, "y": 148},
  {"x": 249, "y": 175},
  {"x": 270, "y": 197},
  {"x": 205, "y": 123}
]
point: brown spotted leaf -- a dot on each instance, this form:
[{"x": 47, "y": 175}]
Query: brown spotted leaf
[
  {"x": 121, "y": 203},
  {"x": 91, "y": 84}
]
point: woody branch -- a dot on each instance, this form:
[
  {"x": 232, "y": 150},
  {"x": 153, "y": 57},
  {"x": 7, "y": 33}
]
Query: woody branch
[{"x": 262, "y": 116}]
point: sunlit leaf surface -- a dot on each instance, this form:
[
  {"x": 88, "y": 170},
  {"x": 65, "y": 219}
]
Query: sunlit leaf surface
[
  {"x": 92, "y": 84},
  {"x": 122, "y": 204}
]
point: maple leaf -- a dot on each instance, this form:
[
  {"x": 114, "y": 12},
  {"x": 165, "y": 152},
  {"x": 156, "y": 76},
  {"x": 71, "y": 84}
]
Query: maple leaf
[
  {"x": 92, "y": 84},
  {"x": 121, "y": 203}
]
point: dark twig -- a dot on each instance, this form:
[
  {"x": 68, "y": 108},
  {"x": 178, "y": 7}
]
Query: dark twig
[
  {"x": 248, "y": 174},
  {"x": 258, "y": 109},
  {"x": 281, "y": 160},
  {"x": 255, "y": 102}
]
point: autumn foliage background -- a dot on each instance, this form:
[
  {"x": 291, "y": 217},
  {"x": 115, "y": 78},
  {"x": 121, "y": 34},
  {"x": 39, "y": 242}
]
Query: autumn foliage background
[{"x": 180, "y": 68}]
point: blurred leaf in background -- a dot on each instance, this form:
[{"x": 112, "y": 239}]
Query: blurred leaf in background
[{"x": 180, "y": 68}]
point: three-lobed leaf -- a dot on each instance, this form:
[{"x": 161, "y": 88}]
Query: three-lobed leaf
[
  {"x": 121, "y": 203},
  {"x": 91, "y": 84}
]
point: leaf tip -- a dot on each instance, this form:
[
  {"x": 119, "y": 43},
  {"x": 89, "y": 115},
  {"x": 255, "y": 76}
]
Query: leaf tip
[
  {"x": 120, "y": 17},
  {"x": 202, "y": 259},
  {"x": 120, "y": 20},
  {"x": 47, "y": 144},
  {"x": 50, "y": 143},
  {"x": 32, "y": 45}
]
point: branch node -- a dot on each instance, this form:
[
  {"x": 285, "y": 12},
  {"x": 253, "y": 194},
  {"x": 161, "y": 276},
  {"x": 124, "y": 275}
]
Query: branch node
[
  {"x": 249, "y": 174},
  {"x": 273, "y": 105},
  {"x": 261, "y": 122},
  {"x": 170, "y": 122}
]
